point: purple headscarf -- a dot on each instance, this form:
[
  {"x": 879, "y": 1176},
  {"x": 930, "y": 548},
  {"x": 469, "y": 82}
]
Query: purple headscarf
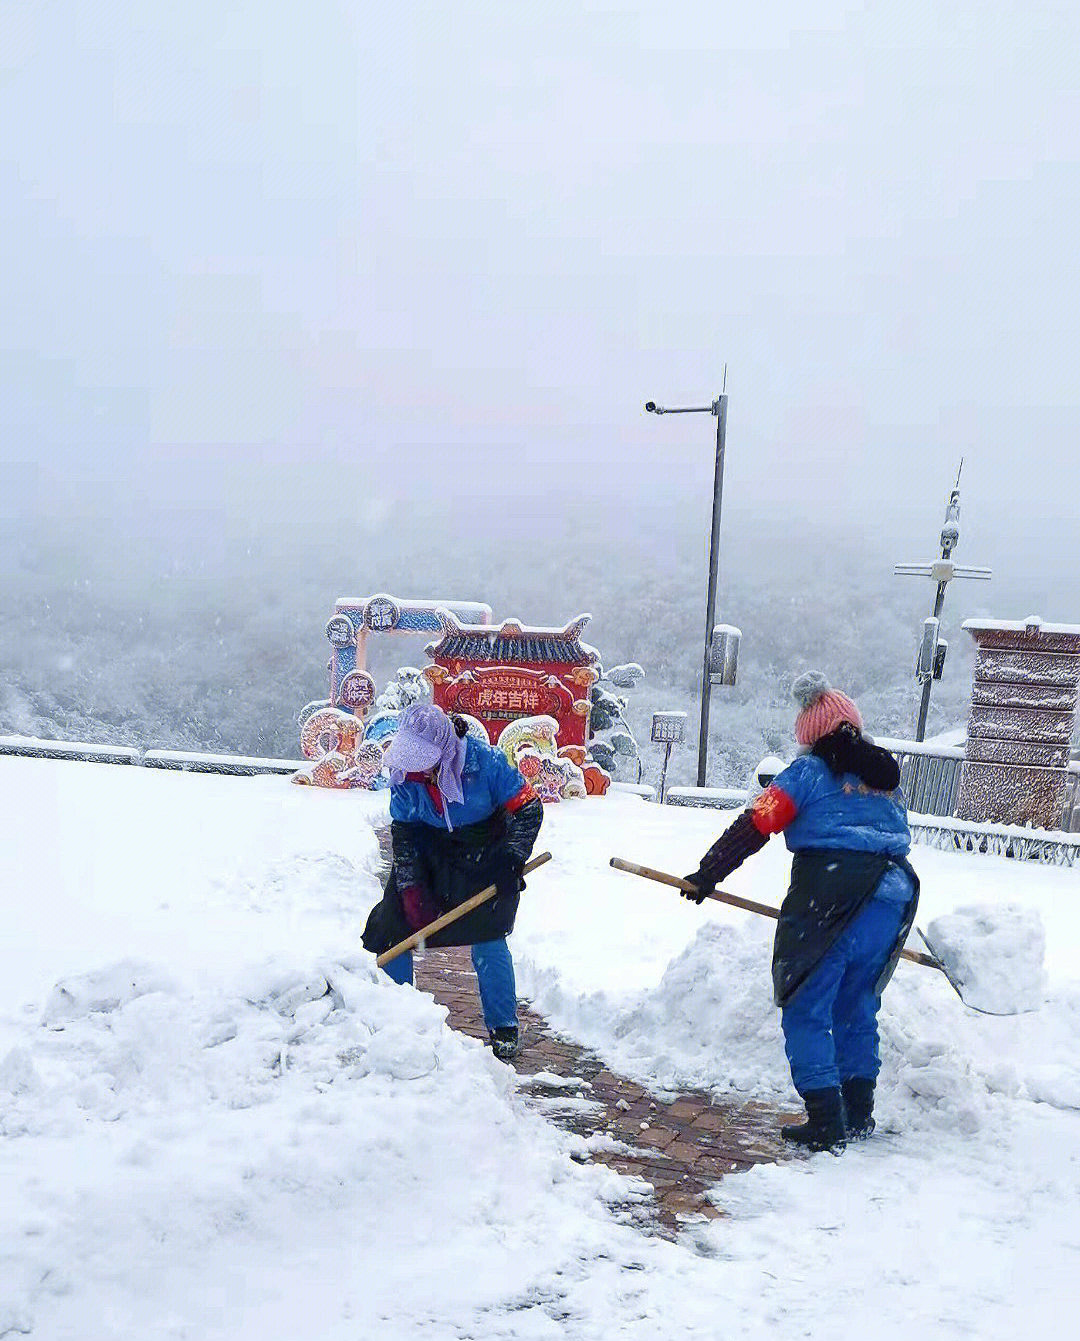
[{"x": 426, "y": 740}]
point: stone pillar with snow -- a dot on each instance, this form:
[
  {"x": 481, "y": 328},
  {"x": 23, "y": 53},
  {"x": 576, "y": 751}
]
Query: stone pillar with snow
[{"x": 1023, "y": 709}]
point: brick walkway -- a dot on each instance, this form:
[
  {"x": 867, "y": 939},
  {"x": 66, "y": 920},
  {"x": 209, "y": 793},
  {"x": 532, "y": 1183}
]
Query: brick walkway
[{"x": 680, "y": 1148}]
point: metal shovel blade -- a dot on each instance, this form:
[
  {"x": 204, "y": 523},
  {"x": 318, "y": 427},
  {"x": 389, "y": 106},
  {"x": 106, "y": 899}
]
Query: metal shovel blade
[{"x": 958, "y": 987}]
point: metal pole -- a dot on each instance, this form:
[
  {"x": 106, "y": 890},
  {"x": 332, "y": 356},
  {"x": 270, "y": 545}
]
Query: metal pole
[
  {"x": 663, "y": 771},
  {"x": 719, "y": 408},
  {"x": 924, "y": 705}
]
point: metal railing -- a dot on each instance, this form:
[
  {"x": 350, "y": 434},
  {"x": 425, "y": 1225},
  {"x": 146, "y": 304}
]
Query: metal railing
[
  {"x": 929, "y": 778},
  {"x": 188, "y": 761}
]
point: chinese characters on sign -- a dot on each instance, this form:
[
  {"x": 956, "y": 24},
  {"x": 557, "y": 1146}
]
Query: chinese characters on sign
[
  {"x": 499, "y": 694},
  {"x": 381, "y": 614},
  {"x": 357, "y": 691},
  {"x": 501, "y": 674},
  {"x": 668, "y": 728}
]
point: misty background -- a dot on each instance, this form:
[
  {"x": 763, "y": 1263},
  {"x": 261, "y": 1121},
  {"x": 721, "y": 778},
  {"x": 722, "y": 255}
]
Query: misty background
[{"x": 299, "y": 304}]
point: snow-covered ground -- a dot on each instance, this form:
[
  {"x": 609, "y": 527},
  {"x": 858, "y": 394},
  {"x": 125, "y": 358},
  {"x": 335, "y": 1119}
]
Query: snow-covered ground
[{"x": 213, "y": 1147}]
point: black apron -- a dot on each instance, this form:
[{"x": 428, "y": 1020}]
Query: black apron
[
  {"x": 829, "y": 888},
  {"x": 452, "y": 865}
]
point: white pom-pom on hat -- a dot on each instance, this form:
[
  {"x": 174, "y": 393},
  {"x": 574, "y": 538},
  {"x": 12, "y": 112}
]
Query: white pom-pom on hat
[{"x": 809, "y": 687}]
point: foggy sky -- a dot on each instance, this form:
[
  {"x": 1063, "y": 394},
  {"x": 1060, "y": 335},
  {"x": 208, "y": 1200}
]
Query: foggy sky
[{"x": 282, "y": 262}]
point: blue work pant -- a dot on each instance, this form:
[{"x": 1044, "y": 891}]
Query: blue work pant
[
  {"x": 830, "y": 1024},
  {"x": 494, "y": 976}
]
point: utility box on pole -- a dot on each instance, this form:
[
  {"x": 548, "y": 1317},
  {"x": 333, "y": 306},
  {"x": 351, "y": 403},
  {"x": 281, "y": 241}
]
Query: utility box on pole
[{"x": 724, "y": 654}]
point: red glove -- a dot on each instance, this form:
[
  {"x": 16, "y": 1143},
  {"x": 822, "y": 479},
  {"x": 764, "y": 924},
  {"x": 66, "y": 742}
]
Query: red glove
[{"x": 419, "y": 907}]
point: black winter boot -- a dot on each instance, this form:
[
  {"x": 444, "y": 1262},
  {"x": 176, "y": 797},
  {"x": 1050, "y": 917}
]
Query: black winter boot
[
  {"x": 824, "y": 1128},
  {"x": 505, "y": 1043},
  {"x": 859, "y": 1104}
]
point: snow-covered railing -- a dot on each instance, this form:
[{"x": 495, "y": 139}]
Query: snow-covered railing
[
  {"x": 33, "y": 748},
  {"x": 929, "y": 775},
  {"x": 921, "y": 748},
  {"x": 930, "y": 778},
  {"x": 239, "y": 765},
  {"x": 1071, "y": 822},
  {"x": 707, "y": 798},
  {"x": 641, "y": 789},
  {"x": 930, "y": 782},
  {"x": 1002, "y": 840},
  {"x": 193, "y": 761}
]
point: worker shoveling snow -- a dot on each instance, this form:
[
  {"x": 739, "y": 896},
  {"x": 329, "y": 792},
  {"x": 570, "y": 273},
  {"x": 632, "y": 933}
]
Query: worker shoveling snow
[{"x": 994, "y": 955}]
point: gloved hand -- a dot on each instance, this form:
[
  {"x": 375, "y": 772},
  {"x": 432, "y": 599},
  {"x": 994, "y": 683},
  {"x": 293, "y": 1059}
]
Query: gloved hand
[
  {"x": 418, "y": 906},
  {"x": 739, "y": 841},
  {"x": 704, "y": 884},
  {"x": 508, "y": 867}
]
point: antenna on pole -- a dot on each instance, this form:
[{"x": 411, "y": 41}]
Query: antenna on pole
[
  {"x": 932, "y": 651},
  {"x": 723, "y": 389}
]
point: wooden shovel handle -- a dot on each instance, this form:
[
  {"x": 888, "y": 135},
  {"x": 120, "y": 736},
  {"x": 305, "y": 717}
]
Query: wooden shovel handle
[
  {"x": 747, "y": 905},
  {"x": 411, "y": 942}
]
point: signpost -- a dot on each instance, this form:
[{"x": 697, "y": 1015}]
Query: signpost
[{"x": 668, "y": 728}]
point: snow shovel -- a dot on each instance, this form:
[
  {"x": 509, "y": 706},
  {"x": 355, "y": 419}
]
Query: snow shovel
[
  {"x": 411, "y": 942},
  {"x": 766, "y": 910}
]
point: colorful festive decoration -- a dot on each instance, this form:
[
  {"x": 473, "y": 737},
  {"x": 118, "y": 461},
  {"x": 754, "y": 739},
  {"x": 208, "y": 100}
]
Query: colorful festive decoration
[
  {"x": 530, "y": 744},
  {"x": 597, "y": 779},
  {"x": 536, "y": 733},
  {"x": 381, "y": 730},
  {"x": 499, "y": 675},
  {"x": 357, "y": 691},
  {"x": 531, "y": 690},
  {"x": 335, "y": 741},
  {"x": 356, "y": 619},
  {"x": 551, "y": 778},
  {"x": 330, "y": 731}
]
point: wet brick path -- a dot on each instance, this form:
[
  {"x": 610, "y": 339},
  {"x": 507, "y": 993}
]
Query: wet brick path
[{"x": 681, "y": 1148}]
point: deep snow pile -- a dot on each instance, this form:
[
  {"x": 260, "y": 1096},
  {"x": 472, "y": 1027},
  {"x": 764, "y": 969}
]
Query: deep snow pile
[
  {"x": 309, "y": 1142},
  {"x": 219, "y": 1120}
]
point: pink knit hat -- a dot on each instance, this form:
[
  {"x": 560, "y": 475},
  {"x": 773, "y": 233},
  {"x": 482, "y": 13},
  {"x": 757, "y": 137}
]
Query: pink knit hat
[{"x": 823, "y": 708}]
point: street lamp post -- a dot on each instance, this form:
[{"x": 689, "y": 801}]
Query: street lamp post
[{"x": 718, "y": 409}]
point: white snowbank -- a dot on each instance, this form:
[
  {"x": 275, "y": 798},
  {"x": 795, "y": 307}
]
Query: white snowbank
[
  {"x": 106, "y": 990},
  {"x": 311, "y": 1141}
]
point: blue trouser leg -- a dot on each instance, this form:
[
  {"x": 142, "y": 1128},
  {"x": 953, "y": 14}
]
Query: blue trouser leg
[
  {"x": 495, "y": 978},
  {"x": 807, "y": 1024},
  {"x": 855, "y": 1011},
  {"x": 830, "y": 1025},
  {"x": 400, "y": 969}
]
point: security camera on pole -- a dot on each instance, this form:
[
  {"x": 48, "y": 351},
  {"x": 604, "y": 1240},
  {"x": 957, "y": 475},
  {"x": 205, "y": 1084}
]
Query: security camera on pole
[
  {"x": 721, "y": 641},
  {"x": 932, "y": 647}
]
